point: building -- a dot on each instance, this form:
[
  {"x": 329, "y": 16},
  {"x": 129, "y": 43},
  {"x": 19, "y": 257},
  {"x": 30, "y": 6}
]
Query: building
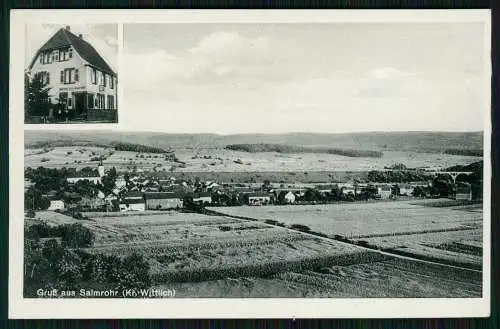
[
  {"x": 132, "y": 205},
  {"x": 255, "y": 199},
  {"x": 56, "y": 205},
  {"x": 92, "y": 179},
  {"x": 463, "y": 192},
  {"x": 406, "y": 189},
  {"x": 81, "y": 83},
  {"x": 203, "y": 198},
  {"x": 163, "y": 200},
  {"x": 384, "y": 191},
  {"x": 290, "y": 197},
  {"x": 348, "y": 189}
]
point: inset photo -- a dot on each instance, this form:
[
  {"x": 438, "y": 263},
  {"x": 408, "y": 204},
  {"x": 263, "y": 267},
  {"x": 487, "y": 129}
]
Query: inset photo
[{"x": 71, "y": 74}]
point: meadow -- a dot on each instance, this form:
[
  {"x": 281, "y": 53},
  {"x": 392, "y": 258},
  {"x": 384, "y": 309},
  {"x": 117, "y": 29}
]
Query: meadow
[
  {"x": 217, "y": 160},
  {"x": 451, "y": 235},
  {"x": 222, "y": 256}
]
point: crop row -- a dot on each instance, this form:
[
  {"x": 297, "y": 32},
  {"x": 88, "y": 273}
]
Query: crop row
[
  {"x": 264, "y": 269},
  {"x": 162, "y": 246}
]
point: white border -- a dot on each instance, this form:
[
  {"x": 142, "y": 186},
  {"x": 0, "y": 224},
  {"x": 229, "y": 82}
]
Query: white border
[{"x": 221, "y": 308}]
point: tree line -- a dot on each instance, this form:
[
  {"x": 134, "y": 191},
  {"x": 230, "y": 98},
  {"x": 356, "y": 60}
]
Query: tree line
[{"x": 49, "y": 264}]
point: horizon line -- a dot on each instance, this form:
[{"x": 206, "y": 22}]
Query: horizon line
[{"x": 57, "y": 129}]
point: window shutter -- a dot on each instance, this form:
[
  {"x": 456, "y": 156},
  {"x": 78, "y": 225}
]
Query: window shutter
[{"x": 62, "y": 76}]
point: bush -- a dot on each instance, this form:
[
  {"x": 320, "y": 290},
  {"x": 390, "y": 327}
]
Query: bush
[
  {"x": 270, "y": 221},
  {"x": 300, "y": 227},
  {"x": 76, "y": 236},
  {"x": 225, "y": 228}
]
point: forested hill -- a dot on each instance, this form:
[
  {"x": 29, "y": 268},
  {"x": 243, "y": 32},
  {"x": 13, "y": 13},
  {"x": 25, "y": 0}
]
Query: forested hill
[{"x": 469, "y": 143}]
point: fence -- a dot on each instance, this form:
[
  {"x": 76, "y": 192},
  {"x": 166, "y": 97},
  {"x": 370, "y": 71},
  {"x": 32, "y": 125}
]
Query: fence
[{"x": 91, "y": 116}]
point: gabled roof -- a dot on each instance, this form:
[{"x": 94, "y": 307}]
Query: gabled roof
[
  {"x": 131, "y": 201},
  {"x": 64, "y": 38},
  {"x": 259, "y": 194},
  {"x": 162, "y": 195},
  {"x": 133, "y": 194}
]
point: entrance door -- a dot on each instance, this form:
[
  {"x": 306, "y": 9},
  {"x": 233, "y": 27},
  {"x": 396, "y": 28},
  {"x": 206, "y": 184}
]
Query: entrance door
[{"x": 80, "y": 103}]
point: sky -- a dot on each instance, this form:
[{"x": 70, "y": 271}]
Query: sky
[
  {"x": 103, "y": 37},
  {"x": 307, "y": 77}
]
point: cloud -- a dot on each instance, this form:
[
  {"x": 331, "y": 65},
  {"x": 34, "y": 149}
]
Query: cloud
[{"x": 389, "y": 82}]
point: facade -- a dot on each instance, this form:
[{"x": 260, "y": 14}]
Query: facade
[
  {"x": 258, "y": 199},
  {"x": 56, "y": 205},
  {"x": 406, "y": 189},
  {"x": 82, "y": 84},
  {"x": 290, "y": 197},
  {"x": 203, "y": 198},
  {"x": 348, "y": 189},
  {"x": 384, "y": 191},
  {"x": 163, "y": 200},
  {"x": 132, "y": 205},
  {"x": 73, "y": 180}
]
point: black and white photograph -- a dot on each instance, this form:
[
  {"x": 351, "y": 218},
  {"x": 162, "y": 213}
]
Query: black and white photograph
[
  {"x": 71, "y": 74},
  {"x": 321, "y": 165}
]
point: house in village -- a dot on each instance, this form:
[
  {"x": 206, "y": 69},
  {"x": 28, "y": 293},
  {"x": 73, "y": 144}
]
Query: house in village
[
  {"x": 163, "y": 200},
  {"x": 56, "y": 205},
  {"x": 132, "y": 201},
  {"x": 348, "y": 190},
  {"x": 406, "y": 189},
  {"x": 258, "y": 198},
  {"x": 203, "y": 198},
  {"x": 81, "y": 82},
  {"x": 96, "y": 179},
  {"x": 289, "y": 197},
  {"x": 384, "y": 191}
]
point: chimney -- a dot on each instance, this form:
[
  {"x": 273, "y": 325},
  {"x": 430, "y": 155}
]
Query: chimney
[
  {"x": 68, "y": 28},
  {"x": 80, "y": 36}
]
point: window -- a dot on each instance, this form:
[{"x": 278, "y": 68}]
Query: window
[
  {"x": 70, "y": 53},
  {"x": 68, "y": 77},
  {"x": 43, "y": 77},
  {"x": 76, "y": 75},
  {"x": 100, "y": 101},
  {"x": 70, "y": 101},
  {"x": 41, "y": 58},
  {"x": 111, "y": 82},
  {"x": 111, "y": 102},
  {"x": 93, "y": 75},
  {"x": 102, "y": 79},
  {"x": 56, "y": 55},
  {"x": 90, "y": 98}
]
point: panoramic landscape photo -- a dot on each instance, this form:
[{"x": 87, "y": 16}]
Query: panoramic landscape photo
[{"x": 270, "y": 160}]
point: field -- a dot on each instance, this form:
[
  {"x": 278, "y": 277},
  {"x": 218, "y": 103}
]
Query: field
[
  {"x": 205, "y": 160},
  {"x": 221, "y": 256},
  {"x": 446, "y": 234}
]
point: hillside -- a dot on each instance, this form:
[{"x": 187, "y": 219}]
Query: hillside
[
  {"x": 433, "y": 142},
  {"x": 282, "y": 148}
]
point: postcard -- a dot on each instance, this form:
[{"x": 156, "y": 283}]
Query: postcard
[{"x": 285, "y": 164}]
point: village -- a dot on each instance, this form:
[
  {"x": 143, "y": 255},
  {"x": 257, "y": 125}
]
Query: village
[{"x": 104, "y": 190}]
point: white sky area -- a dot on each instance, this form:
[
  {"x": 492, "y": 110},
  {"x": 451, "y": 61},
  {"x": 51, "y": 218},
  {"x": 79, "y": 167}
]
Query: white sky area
[
  {"x": 315, "y": 77},
  {"x": 103, "y": 37}
]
